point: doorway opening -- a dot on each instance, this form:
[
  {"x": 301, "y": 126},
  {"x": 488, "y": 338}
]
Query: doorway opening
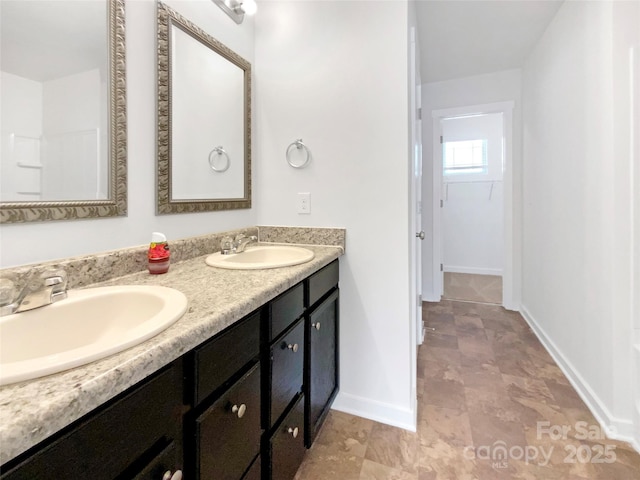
[{"x": 473, "y": 245}]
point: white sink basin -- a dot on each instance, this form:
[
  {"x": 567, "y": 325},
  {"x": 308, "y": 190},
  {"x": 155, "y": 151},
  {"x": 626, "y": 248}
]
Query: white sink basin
[
  {"x": 261, "y": 256},
  {"x": 88, "y": 325}
]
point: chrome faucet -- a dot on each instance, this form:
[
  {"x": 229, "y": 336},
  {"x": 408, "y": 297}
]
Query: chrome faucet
[
  {"x": 241, "y": 242},
  {"x": 47, "y": 288},
  {"x": 237, "y": 245}
]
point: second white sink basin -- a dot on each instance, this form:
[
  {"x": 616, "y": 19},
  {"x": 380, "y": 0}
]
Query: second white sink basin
[
  {"x": 262, "y": 256},
  {"x": 88, "y": 325}
]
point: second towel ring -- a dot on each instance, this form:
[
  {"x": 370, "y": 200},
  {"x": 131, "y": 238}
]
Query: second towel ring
[
  {"x": 299, "y": 146},
  {"x": 220, "y": 151}
]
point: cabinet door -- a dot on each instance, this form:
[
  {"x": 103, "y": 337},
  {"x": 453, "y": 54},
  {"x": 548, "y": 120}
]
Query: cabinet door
[
  {"x": 287, "y": 444},
  {"x": 111, "y": 442},
  {"x": 321, "y": 382},
  {"x": 287, "y": 363},
  {"x": 228, "y": 433}
]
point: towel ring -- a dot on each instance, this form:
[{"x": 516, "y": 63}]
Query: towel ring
[
  {"x": 299, "y": 146},
  {"x": 219, "y": 151}
]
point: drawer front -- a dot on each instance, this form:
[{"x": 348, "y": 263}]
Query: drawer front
[
  {"x": 322, "y": 281},
  {"x": 286, "y": 370},
  {"x": 285, "y": 310},
  {"x": 287, "y": 444},
  {"x": 219, "y": 359},
  {"x": 104, "y": 445},
  {"x": 164, "y": 462},
  {"x": 228, "y": 438}
]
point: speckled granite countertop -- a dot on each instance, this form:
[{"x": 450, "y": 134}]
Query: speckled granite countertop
[{"x": 31, "y": 411}]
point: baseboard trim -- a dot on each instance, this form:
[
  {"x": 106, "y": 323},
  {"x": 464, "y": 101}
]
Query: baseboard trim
[
  {"x": 374, "y": 410},
  {"x": 431, "y": 297},
  {"x": 473, "y": 270},
  {"x": 616, "y": 428}
]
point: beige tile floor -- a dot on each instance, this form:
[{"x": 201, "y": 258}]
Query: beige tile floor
[
  {"x": 472, "y": 287},
  {"x": 484, "y": 382}
]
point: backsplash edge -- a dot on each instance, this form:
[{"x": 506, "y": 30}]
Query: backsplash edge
[{"x": 99, "y": 267}]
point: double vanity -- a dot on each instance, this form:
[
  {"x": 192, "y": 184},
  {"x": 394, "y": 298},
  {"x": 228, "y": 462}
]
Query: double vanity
[{"x": 236, "y": 388}]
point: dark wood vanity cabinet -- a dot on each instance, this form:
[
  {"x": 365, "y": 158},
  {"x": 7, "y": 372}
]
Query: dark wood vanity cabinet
[
  {"x": 228, "y": 433},
  {"x": 223, "y": 428},
  {"x": 137, "y": 435},
  {"x": 243, "y": 405},
  {"x": 285, "y": 447},
  {"x": 321, "y": 374},
  {"x": 283, "y": 360},
  {"x": 302, "y": 384}
]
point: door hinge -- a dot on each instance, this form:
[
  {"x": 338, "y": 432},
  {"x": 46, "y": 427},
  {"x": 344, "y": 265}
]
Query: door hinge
[
  {"x": 420, "y": 114},
  {"x": 441, "y": 203},
  {"x": 440, "y": 138},
  {"x": 441, "y": 268}
]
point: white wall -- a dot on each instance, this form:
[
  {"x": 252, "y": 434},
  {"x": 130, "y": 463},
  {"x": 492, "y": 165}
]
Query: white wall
[
  {"x": 71, "y": 152},
  {"x": 477, "y": 90},
  {"x": 28, "y": 243},
  {"x": 577, "y": 219},
  {"x": 21, "y": 130},
  {"x": 472, "y": 213},
  {"x": 326, "y": 73}
]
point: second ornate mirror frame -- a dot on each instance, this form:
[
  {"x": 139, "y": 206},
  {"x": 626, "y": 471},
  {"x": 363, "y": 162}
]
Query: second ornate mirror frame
[{"x": 166, "y": 204}]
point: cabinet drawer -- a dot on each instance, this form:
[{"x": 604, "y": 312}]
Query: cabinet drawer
[
  {"x": 287, "y": 444},
  {"x": 322, "y": 281},
  {"x": 164, "y": 462},
  {"x": 287, "y": 362},
  {"x": 103, "y": 445},
  {"x": 218, "y": 360},
  {"x": 285, "y": 310},
  {"x": 228, "y": 435}
]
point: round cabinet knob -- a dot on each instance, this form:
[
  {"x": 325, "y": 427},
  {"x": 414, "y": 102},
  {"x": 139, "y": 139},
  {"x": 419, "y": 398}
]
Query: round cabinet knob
[
  {"x": 316, "y": 325},
  {"x": 420, "y": 235},
  {"x": 293, "y": 348},
  {"x": 240, "y": 410},
  {"x": 293, "y": 432}
]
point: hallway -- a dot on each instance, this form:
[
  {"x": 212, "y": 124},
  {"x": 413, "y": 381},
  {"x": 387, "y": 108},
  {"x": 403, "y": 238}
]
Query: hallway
[{"x": 484, "y": 382}]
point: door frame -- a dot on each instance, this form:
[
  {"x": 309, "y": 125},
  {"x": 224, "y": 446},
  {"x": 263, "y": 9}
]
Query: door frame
[
  {"x": 415, "y": 219},
  {"x": 511, "y": 282}
]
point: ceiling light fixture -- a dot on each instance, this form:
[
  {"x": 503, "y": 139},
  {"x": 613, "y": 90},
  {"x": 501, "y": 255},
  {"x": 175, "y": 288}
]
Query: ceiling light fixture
[{"x": 237, "y": 9}]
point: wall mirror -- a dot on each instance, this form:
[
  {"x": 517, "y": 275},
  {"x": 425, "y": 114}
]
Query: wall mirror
[
  {"x": 204, "y": 120},
  {"x": 63, "y": 116}
]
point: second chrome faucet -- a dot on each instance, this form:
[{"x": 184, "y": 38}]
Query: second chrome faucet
[{"x": 237, "y": 245}]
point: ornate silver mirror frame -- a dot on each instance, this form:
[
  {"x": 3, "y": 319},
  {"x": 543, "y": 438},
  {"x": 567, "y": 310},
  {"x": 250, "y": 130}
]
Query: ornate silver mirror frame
[
  {"x": 166, "y": 204},
  {"x": 116, "y": 204}
]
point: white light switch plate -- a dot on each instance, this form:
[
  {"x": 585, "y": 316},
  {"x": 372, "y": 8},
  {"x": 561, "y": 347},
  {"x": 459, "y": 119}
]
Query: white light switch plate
[{"x": 304, "y": 203}]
